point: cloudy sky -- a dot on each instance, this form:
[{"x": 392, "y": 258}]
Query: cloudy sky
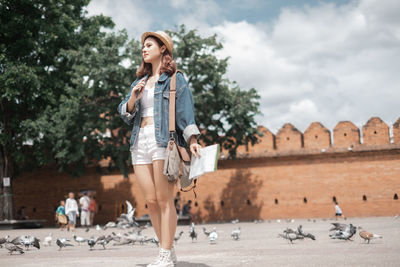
[{"x": 325, "y": 61}]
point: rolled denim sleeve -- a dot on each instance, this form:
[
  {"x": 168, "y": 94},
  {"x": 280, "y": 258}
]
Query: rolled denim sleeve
[
  {"x": 185, "y": 109},
  {"x": 126, "y": 116}
]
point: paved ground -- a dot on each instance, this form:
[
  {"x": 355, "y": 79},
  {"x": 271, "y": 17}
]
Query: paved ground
[{"x": 258, "y": 246}]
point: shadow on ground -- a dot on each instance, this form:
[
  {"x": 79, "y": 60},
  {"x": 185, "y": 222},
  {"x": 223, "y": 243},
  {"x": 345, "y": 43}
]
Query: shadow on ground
[{"x": 183, "y": 264}]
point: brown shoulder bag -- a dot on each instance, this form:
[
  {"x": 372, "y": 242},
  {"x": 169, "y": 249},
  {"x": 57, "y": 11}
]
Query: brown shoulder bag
[{"x": 177, "y": 161}]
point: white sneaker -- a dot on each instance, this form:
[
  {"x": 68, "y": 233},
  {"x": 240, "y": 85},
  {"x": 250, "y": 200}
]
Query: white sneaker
[
  {"x": 173, "y": 256},
  {"x": 165, "y": 259},
  {"x": 155, "y": 261}
]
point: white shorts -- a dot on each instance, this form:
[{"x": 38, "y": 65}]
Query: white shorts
[{"x": 146, "y": 150}]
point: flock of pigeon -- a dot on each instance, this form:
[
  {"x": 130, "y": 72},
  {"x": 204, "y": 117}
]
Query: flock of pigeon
[
  {"x": 338, "y": 231},
  {"x": 131, "y": 237},
  {"x": 134, "y": 235}
]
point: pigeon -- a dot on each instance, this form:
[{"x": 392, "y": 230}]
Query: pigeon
[
  {"x": 290, "y": 235},
  {"x": 98, "y": 228},
  {"x": 4, "y": 240},
  {"x": 47, "y": 240},
  {"x": 135, "y": 237},
  {"x": 127, "y": 220},
  {"x": 306, "y": 235},
  {"x": 117, "y": 237},
  {"x": 13, "y": 248},
  {"x": 123, "y": 241},
  {"x": 289, "y": 231},
  {"x": 91, "y": 242},
  {"x": 16, "y": 241},
  {"x": 79, "y": 239},
  {"x": 343, "y": 231},
  {"x": 110, "y": 225},
  {"x": 153, "y": 240},
  {"x": 213, "y": 236},
  {"x": 192, "y": 232},
  {"x": 235, "y": 221},
  {"x": 207, "y": 233},
  {"x": 235, "y": 233},
  {"x": 366, "y": 235},
  {"x": 102, "y": 240},
  {"x": 62, "y": 243},
  {"x": 176, "y": 238},
  {"x": 26, "y": 241},
  {"x": 339, "y": 226}
]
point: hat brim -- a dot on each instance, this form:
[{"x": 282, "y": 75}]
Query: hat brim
[{"x": 159, "y": 36}]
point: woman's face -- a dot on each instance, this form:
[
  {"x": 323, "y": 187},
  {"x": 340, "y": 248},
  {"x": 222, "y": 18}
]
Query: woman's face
[{"x": 151, "y": 51}]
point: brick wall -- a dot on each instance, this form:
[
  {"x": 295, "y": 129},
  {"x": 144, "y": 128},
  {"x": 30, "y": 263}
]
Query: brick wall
[
  {"x": 266, "y": 183},
  {"x": 317, "y": 136},
  {"x": 346, "y": 134},
  {"x": 396, "y": 132},
  {"x": 375, "y": 132},
  {"x": 289, "y": 138},
  {"x": 267, "y": 142}
]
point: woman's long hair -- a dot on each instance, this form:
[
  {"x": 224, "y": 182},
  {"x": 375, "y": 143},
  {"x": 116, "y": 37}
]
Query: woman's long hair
[{"x": 167, "y": 63}]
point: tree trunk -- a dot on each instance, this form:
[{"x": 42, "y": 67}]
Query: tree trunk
[
  {"x": 6, "y": 196},
  {"x": 1, "y": 202}
]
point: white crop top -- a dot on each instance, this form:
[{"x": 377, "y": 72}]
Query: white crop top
[{"x": 147, "y": 102}]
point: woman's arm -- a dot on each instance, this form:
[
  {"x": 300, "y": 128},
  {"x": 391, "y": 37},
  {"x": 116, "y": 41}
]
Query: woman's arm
[
  {"x": 185, "y": 114},
  {"x": 128, "y": 107}
]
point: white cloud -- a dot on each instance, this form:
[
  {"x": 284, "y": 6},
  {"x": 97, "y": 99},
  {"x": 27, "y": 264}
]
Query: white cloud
[
  {"x": 178, "y": 3},
  {"x": 326, "y": 63},
  {"x": 197, "y": 14},
  {"x": 128, "y": 14}
]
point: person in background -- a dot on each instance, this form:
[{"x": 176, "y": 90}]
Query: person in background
[
  {"x": 84, "y": 202},
  {"x": 186, "y": 208},
  {"x": 177, "y": 202},
  {"x": 92, "y": 208},
  {"x": 60, "y": 215},
  {"x": 71, "y": 210},
  {"x": 21, "y": 213},
  {"x": 338, "y": 211}
]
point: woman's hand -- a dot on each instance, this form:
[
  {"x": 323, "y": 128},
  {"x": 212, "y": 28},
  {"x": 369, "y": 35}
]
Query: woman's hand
[
  {"x": 194, "y": 146},
  {"x": 137, "y": 91}
]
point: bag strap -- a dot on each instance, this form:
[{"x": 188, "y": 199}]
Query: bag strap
[
  {"x": 172, "y": 94},
  {"x": 192, "y": 188}
]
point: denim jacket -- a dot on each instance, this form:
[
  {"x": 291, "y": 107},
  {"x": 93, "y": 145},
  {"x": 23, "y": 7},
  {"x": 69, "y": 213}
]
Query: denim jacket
[{"x": 184, "y": 112}]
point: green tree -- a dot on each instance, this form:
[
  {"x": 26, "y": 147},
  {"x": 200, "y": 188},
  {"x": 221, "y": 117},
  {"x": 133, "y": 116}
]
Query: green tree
[
  {"x": 51, "y": 55},
  {"x": 225, "y": 112}
]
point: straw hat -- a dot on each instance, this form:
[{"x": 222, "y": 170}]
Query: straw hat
[{"x": 162, "y": 36}]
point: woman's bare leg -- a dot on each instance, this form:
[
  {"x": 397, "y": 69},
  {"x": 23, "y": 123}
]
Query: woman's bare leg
[
  {"x": 145, "y": 179},
  {"x": 165, "y": 198}
]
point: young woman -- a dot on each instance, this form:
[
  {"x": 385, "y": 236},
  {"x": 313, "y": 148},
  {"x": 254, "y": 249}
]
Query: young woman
[{"x": 146, "y": 107}]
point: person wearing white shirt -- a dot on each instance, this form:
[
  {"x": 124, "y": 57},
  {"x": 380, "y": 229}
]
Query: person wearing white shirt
[
  {"x": 85, "y": 213},
  {"x": 71, "y": 210},
  {"x": 338, "y": 211}
]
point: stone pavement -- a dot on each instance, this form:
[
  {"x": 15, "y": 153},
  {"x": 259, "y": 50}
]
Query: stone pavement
[{"x": 258, "y": 246}]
